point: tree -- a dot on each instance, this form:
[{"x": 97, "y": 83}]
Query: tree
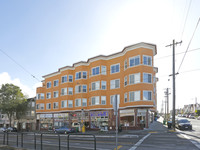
[
  {"x": 12, "y": 101},
  {"x": 198, "y": 112}
]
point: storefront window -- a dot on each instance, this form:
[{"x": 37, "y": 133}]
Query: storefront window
[{"x": 99, "y": 119}]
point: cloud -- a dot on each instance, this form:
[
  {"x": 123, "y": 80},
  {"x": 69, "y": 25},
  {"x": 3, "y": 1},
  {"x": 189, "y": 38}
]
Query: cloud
[{"x": 30, "y": 92}]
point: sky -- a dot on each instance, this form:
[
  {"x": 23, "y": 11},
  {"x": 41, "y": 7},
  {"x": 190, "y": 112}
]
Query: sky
[{"x": 39, "y": 37}]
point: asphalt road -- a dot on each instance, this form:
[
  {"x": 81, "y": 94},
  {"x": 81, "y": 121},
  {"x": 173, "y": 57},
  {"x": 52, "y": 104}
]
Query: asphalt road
[{"x": 157, "y": 138}]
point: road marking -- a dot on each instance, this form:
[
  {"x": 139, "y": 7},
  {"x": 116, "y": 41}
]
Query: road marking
[
  {"x": 197, "y": 144},
  {"x": 153, "y": 132},
  {"x": 118, "y": 147},
  {"x": 139, "y": 142}
]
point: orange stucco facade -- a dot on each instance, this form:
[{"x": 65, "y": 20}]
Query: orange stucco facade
[{"x": 121, "y": 70}]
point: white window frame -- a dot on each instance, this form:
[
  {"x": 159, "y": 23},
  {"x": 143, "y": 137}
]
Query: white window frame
[
  {"x": 57, "y": 105},
  {"x": 78, "y": 89},
  {"x": 57, "y": 83},
  {"x": 64, "y": 79},
  {"x": 96, "y": 100},
  {"x": 144, "y": 78},
  {"x": 56, "y": 94},
  {"x": 103, "y": 99},
  {"x": 48, "y": 95},
  {"x": 70, "y": 76},
  {"x": 84, "y": 102},
  {"x": 85, "y": 88},
  {"x": 64, "y": 104},
  {"x": 65, "y": 91},
  {"x": 136, "y": 75},
  {"x": 125, "y": 81},
  {"x": 125, "y": 98},
  {"x": 138, "y": 56},
  {"x": 125, "y": 64},
  {"x": 48, "y": 84},
  {"x": 115, "y": 68},
  {"x": 113, "y": 84},
  {"x": 41, "y": 95},
  {"x": 78, "y": 101},
  {"x": 103, "y": 84},
  {"x": 47, "y": 106},
  {"x": 103, "y": 70},
  {"x": 70, "y": 89},
  {"x": 83, "y": 76},
  {"x": 70, "y": 102},
  {"x": 148, "y": 95},
  {"x": 135, "y": 95},
  {"x": 97, "y": 86},
  {"x": 79, "y": 75},
  {"x": 147, "y": 60},
  {"x": 41, "y": 106},
  {"x": 95, "y": 72}
]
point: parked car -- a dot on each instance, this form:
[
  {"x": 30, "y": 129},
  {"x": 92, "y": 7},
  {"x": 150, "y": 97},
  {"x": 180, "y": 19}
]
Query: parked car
[
  {"x": 64, "y": 130},
  {"x": 11, "y": 129},
  {"x": 198, "y": 118},
  {"x": 191, "y": 116},
  {"x": 183, "y": 124},
  {"x": 3, "y": 129}
]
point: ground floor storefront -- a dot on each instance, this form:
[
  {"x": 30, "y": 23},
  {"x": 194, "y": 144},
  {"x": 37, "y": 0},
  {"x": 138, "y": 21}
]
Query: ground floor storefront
[{"x": 131, "y": 118}]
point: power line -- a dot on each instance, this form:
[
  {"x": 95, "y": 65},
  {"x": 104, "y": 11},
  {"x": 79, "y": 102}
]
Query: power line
[
  {"x": 19, "y": 65},
  {"x": 186, "y": 19},
  {"x": 188, "y": 45}
]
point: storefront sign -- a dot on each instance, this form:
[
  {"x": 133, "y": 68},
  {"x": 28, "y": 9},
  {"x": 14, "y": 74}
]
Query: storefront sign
[
  {"x": 99, "y": 113},
  {"x": 141, "y": 112},
  {"x": 126, "y": 112},
  {"x": 46, "y": 116}
]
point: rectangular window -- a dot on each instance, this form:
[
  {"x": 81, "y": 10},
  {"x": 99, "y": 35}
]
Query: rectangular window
[
  {"x": 103, "y": 85},
  {"x": 103, "y": 100},
  {"x": 147, "y": 78},
  {"x": 49, "y": 84},
  {"x": 70, "y": 103},
  {"x": 32, "y": 113},
  {"x": 41, "y": 106},
  {"x": 55, "y": 105},
  {"x": 64, "y": 104},
  {"x": 70, "y": 91},
  {"x": 134, "y": 96},
  {"x": 78, "y": 89},
  {"x": 48, "y": 106},
  {"x": 84, "y": 74},
  {"x": 42, "y": 95},
  {"x": 134, "y": 61},
  {"x": 114, "y": 84},
  {"x": 95, "y": 71},
  {"x": 103, "y": 70},
  {"x": 84, "y": 102},
  {"x": 125, "y": 81},
  {"x": 64, "y": 91},
  {"x": 125, "y": 64},
  {"x": 78, "y": 102},
  {"x": 48, "y": 95},
  {"x": 38, "y": 96},
  {"x": 38, "y": 106},
  {"x": 64, "y": 79},
  {"x": 70, "y": 78},
  {"x": 84, "y": 88},
  {"x": 78, "y": 75},
  {"x": 55, "y": 94},
  {"x": 113, "y": 98},
  {"x": 95, "y": 100},
  {"x": 147, "y": 95},
  {"x": 95, "y": 85},
  {"x": 115, "y": 68},
  {"x": 55, "y": 83},
  {"x": 134, "y": 78},
  {"x": 125, "y": 98},
  {"x": 147, "y": 60}
]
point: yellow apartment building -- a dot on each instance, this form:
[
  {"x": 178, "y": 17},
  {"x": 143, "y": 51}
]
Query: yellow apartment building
[{"x": 85, "y": 92}]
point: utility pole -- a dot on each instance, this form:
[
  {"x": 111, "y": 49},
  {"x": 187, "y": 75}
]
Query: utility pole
[
  {"x": 174, "y": 87},
  {"x": 167, "y": 101}
]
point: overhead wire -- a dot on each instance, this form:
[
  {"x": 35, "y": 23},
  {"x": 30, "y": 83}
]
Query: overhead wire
[
  {"x": 189, "y": 44},
  {"x": 22, "y": 67}
]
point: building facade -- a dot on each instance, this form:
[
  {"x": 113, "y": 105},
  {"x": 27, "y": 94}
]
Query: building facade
[{"x": 86, "y": 91}]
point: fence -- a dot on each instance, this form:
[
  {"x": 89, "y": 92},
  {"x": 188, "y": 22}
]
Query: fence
[{"x": 35, "y": 140}]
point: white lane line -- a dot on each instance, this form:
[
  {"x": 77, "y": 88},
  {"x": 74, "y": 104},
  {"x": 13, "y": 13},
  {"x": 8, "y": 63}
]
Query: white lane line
[
  {"x": 139, "y": 142},
  {"x": 197, "y": 144}
]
